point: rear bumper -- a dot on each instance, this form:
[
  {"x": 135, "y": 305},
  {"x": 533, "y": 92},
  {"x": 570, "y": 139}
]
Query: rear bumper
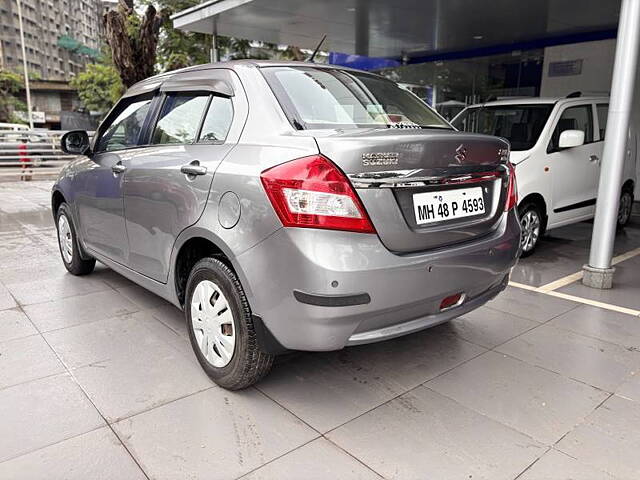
[{"x": 349, "y": 289}]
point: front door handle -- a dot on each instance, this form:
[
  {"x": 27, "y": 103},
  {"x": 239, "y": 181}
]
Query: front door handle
[
  {"x": 193, "y": 168},
  {"x": 594, "y": 158},
  {"x": 118, "y": 168}
]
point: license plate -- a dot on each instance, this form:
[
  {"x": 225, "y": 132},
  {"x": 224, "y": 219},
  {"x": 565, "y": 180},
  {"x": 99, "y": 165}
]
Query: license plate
[{"x": 432, "y": 207}]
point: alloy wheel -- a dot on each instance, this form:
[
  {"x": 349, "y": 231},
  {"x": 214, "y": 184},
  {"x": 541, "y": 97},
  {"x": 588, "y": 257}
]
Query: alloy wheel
[
  {"x": 65, "y": 238},
  {"x": 213, "y": 325},
  {"x": 530, "y": 225}
]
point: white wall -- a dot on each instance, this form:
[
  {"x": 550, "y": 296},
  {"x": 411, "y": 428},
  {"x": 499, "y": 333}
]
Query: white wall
[{"x": 597, "y": 69}]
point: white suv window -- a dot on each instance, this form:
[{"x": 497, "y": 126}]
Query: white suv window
[
  {"x": 603, "y": 112},
  {"x": 579, "y": 117}
]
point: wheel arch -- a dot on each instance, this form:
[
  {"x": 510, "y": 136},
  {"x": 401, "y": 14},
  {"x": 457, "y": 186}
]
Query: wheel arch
[
  {"x": 57, "y": 199},
  {"x": 537, "y": 199},
  {"x": 629, "y": 185},
  {"x": 192, "y": 246}
]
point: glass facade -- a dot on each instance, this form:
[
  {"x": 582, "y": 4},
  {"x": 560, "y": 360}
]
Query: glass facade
[{"x": 451, "y": 84}]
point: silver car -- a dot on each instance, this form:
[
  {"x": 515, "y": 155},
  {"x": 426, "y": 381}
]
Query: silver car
[{"x": 289, "y": 206}]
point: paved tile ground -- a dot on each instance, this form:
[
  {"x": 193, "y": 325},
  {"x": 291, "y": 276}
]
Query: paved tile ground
[{"x": 98, "y": 381}]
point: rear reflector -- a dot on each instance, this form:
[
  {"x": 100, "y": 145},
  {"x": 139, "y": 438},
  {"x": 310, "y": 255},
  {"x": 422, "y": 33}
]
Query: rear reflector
[
  {"x": 451, "y": 301},
  {"x": 312, "y": 192}
]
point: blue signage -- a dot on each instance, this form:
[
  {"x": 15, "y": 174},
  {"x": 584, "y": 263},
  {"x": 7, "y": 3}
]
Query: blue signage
[{"x": 361, "y": 62}]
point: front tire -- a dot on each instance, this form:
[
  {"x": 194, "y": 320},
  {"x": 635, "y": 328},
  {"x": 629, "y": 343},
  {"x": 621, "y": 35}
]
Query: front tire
[
  {"x": 531, "y": 226},
  {"x": 69, "y": 246},
  {"x": 221, "y": 327},
  {"x": 625, "y": 208}
]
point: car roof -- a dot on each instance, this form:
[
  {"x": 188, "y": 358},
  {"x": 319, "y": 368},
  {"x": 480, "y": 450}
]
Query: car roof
[
  {"x": 232, "y": 64},
  {"x": 539, "y": 101}
]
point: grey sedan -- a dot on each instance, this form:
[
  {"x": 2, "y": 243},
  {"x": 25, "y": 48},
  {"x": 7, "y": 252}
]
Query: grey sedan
[{"x": 289, "y": 206}]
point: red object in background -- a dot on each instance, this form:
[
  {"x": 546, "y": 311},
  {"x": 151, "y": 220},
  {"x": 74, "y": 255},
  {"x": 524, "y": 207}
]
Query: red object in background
[{"x": 22, "y": 154}]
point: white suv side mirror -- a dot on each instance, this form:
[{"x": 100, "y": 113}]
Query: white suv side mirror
[{"x": 571, "y": 138}]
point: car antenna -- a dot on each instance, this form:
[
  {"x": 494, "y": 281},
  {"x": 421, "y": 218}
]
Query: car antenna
[{"x": 313, "y": 55}]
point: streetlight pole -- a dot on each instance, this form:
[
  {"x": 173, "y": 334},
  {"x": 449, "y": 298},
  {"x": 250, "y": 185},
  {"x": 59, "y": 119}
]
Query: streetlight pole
[
  {"x": 599, "y": 272},
  {"x": 24, "y": 65}
]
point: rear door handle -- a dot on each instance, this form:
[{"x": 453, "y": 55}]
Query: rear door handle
[
  {"x": 118, "y": 168},
  {"x": 193, "y": 168}
]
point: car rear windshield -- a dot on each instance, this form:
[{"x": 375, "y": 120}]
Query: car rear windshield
[
  {"x": 316, "y": 97},
  {"x": 520, "y": 124}
]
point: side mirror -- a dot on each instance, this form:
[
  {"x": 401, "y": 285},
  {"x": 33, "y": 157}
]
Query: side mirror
[
  {"x": 571, "y": 138},
  {"x": 76, "y": 142}
]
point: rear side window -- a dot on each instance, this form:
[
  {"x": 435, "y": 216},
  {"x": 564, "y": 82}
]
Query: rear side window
[
  {"x": 218, "y": 120},
  {"x": 574, "y": 118},
  {"x": 179, "y": 119},
  {"x": 124, "y": 130},
  {"x": 603, "y": 112}
]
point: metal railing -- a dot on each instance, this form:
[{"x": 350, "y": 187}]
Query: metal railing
[{"x": 31, "y": 154}]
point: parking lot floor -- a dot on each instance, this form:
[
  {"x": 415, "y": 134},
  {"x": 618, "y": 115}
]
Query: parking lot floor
[{"x": 97, "y": 380}]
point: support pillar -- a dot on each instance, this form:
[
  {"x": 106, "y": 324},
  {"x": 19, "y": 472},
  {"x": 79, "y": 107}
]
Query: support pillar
[
  {"x": 362, "y": 27},
  {"x": 599, "y": 272},
  {"x": 215, "y": 54}
]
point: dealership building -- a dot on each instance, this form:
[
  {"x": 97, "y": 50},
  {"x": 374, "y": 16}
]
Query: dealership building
[
  {"x": 499, "y": 48},
  {"x": 456, "y": 53}
]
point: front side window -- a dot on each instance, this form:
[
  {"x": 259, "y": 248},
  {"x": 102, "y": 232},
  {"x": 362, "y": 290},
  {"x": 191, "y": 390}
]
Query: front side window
[
  {"x": 124, "y": 130},
  {"x": 331, "y": 98},
  {"x": 603, "y": 113},
  {"x": 520, "y": 124},
  {"x": 573, "y": 118},
  {"x": 179, "y": 119},
  {"x": 218, "y": 121}
]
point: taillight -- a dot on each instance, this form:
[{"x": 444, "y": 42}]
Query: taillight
[
  {"x": 512, "y": 189},
  {"x": 312, "y": 192}
]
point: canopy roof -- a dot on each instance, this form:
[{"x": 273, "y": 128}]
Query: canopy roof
[{"x": 393, "y": 27}]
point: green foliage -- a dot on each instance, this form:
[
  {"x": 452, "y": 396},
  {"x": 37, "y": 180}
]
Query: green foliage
[
  {"x": 179, "y": 49},
  {"x": 176, "y": 48},
  {"x": 99, "y": 87},
  {"x": 10, "y": 85}
]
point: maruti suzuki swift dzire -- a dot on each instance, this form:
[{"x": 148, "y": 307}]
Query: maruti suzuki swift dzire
[{"x": 289, "y": 206}]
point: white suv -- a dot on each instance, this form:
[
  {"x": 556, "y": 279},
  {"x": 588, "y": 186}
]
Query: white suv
[{"x": 556, "y": 146}]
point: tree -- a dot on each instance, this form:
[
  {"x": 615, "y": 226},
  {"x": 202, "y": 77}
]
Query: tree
[
  {"x": 177, "y": 48},
  {"x": 133, "y": 40},
  {"x": 99, "y": 87},
  {"x": 10, "y": 85}
]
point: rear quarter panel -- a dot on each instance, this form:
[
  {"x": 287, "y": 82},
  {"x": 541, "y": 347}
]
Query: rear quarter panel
[{"x": 267, "y": 140}]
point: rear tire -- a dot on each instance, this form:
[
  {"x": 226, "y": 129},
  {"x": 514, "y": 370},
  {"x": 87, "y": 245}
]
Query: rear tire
[
  {"x": 69, "y": 245},
  {"x": 221, "y": 327},
  {"x": 625, "y": 208},
  {"x": 531, "y": 224}
]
